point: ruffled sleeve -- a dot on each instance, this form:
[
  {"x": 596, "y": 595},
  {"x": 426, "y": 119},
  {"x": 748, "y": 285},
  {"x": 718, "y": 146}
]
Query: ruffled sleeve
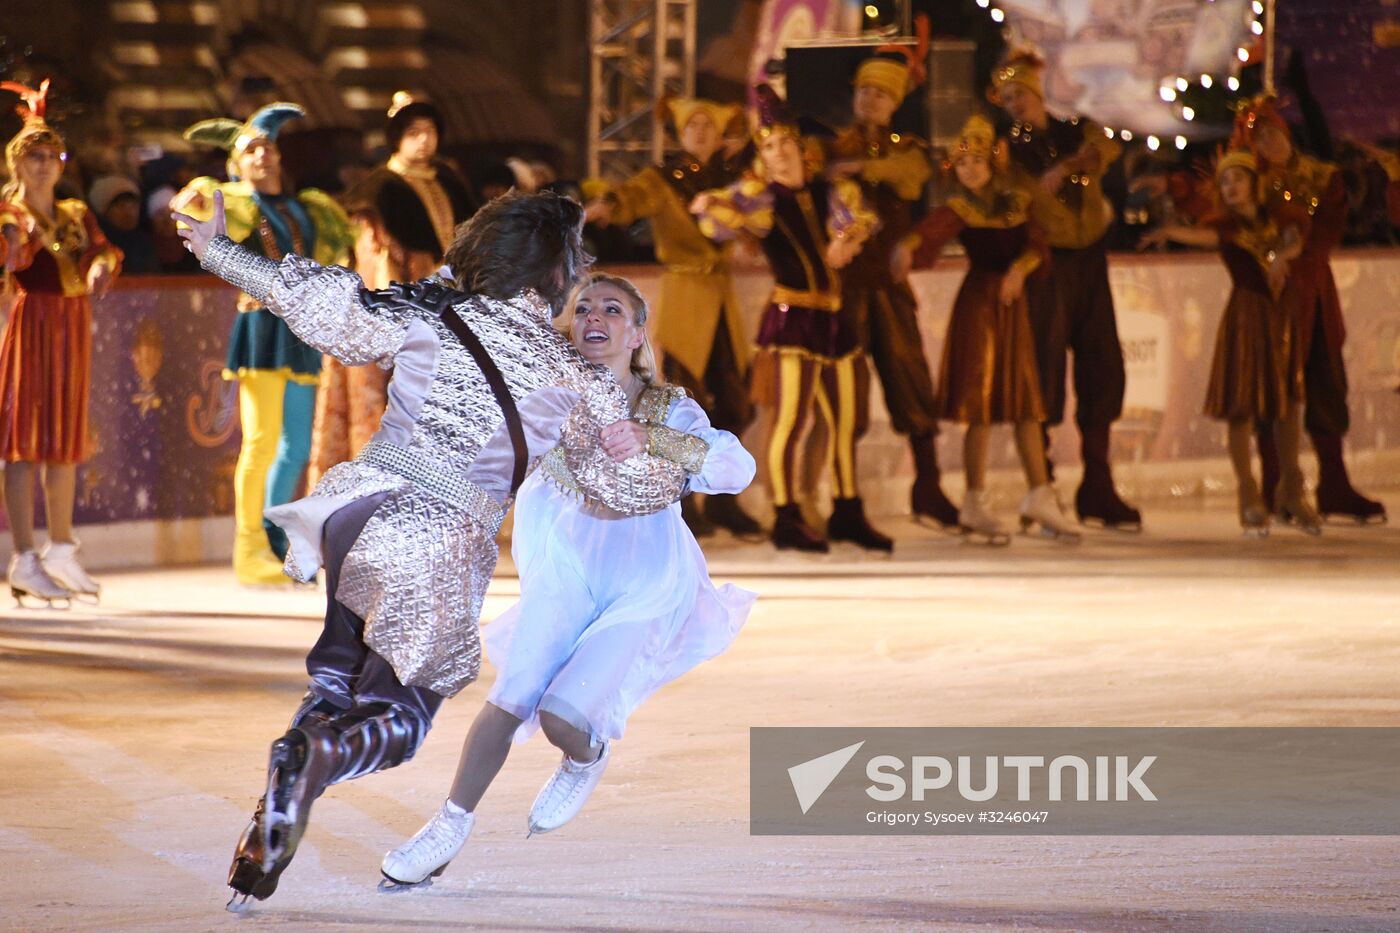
[
  {"x": 725, "y": 467},
  {"x": 334, "y": 235},
  {"x": 744, "y": 207}
]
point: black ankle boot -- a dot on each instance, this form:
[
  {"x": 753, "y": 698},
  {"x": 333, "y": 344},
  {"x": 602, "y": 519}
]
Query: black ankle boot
[
  {"x": 1096, "y": 501},
  {"x": 848, "y": 523},
  {"x": 926, "y": 498},
  {"x": 791, "y": 533},
  {"x": 725, "y": 511}
]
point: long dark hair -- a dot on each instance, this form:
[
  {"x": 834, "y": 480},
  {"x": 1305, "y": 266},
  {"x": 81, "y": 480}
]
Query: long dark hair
[{"x": 519, "y": 241}]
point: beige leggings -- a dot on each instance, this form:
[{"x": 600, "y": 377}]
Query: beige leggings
[{"x": 60, "y": 488}]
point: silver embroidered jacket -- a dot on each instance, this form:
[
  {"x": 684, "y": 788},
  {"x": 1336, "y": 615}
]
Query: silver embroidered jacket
[{"x": 419, "y": 569}]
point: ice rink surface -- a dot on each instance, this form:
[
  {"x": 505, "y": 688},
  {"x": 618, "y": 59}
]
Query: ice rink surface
[{"x": 135, "y": 737}]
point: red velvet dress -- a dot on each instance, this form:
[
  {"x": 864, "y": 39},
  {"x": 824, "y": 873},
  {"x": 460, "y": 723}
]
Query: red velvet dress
[
  {"x": 1256, "y": 370},
  {"x": 46, "y": 349},
  {"x": 988, "y": 373}
]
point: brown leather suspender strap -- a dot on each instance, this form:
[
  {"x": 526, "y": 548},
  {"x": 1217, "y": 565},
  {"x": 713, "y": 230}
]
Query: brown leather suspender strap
[{"x": 498, "y": 386}]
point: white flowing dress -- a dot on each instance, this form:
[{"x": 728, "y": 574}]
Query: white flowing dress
[{"x": 611, "y": 608}]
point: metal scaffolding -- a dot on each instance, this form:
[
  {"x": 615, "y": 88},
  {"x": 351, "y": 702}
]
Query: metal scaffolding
[{"x": 639, "y": 51}]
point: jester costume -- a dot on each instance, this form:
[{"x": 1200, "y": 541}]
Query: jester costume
[
  {"x": 893, "y": 169},
  {"x": 700, "y": 325},
  {"x": 405, "y": 218},
  {"x": 810, "y": 346},
  {"x": 1072, "y": 306},
  {"x": 277, "y": 373}
]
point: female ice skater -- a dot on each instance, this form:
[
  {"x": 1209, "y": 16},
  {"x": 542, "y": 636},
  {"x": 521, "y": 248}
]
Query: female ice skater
[
  {"x": 1257, "y": 372},
  {"x": 611, "y": 608}
]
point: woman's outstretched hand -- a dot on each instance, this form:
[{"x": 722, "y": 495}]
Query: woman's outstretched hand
[{"x": 198, "y": 234}]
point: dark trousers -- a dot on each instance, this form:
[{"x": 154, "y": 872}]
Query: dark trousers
[
  {"x": 721, "y": 391},
  {"x": 1071, "y": 310},
  {"x": 889, "y": 322},
  {"x": 343, "y": 669},
  {"x": 1325, "y": 387}
]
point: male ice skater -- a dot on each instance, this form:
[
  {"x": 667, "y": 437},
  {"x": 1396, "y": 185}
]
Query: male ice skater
[{"x": 482, "y": 386}]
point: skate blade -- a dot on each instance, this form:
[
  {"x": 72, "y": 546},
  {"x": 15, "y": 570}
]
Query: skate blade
[
  {"x": 985, "y": 538},
  {"x": 388, "y": 885},
  {"x": 1257, "y": 534},
  {"x": 47, "y": 602},
  {"x": 1359, "y": 521},
  {"x": 239, "y": 902},
  {"x": 1033, "y": 529},
  {"x": 928, "y": 521},
  {"x": 1098, "y": 524}
]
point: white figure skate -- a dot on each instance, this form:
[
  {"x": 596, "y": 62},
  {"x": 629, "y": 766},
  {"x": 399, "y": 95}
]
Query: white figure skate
[
  {"x": 428, "y": 853},
  {"x": 1040, "y": 507},
  {"x": 60, "y": 562},
  {"x": 979, "y": 525},
  {"x": 29, "y": 579},
  {"x": 564, "y": 795}
]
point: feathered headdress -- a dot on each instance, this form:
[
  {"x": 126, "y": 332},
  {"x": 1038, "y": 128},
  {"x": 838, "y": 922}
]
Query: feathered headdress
[
  {"x": 35, "y": 132},
  {"x": 897, "y": 69}
]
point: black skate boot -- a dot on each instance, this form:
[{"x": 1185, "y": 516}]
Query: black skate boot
[
  {"x": 724, "y": 510},
  {"x": 245, "y": 874},
  {"x": 791, "y": 533},
  {"x": 926, "y": 499},
  {"x": 315, "y": 755},
  {"x": 1096, "y": 501},
  {"x": 848, "y": 523},
  {"x": 1336, "y": 496}
]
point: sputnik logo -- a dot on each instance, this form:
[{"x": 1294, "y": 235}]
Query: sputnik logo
[{"x": 811, "y": 778}]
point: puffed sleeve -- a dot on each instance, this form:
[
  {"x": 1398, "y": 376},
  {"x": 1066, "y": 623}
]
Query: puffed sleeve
[
  {"x": 334, "y": 235},
  {"x": 905, "y": 170},
  {"x": 635, "y": 198},
  {"x": 850, "y": 215},
  {"x": 13, "y": 216},
  {"x": 743, "y": 207},
  {"x": 714, "y": 459},
  {"x": 328, "y": 307},
  {"x": 933, "y": 233},
  {"x": 100, "y": 249}
]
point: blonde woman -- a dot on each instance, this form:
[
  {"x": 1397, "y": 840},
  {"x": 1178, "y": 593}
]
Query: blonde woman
[{"x": 611, "y": 607}]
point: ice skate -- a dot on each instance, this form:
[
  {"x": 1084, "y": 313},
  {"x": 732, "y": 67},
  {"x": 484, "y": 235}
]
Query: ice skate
[
  {"x": 253, "y": 562},
  {"x": 979, "y": 525},
  {"x": 60, "y": 561},
  {"x": 1349, "y": 507},
  {"x": 29, "y": 579},
  {"x": 1099, "y": 506},
  {"x": 1254, "y": 514},
  {"x": 927, "y": 501},
  {"x": 790, "y": 532},
  {"x": 1294, "y": 507},
  {"x": 564, "y": 795},
  {"x": 424, "y": 857},
  {"x": 1040, "y": 507},
  {"x": 848, "y": 523},
  {"x": 725, "y": 512}
]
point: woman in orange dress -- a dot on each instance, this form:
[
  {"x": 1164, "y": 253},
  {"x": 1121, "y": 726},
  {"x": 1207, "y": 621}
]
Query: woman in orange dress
[
  {"x": 1256, "y": 374},
  {"x": 989, "y": 374},
  {"x": 61, "y": 260}
]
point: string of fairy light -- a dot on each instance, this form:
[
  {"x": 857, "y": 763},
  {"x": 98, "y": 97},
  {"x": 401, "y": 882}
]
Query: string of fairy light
[{"x": 1174, "y": 89}]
